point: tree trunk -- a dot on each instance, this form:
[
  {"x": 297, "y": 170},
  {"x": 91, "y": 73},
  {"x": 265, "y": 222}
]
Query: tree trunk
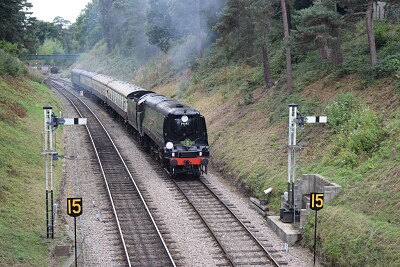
[
  {"x": 287, "y": 46},
  {"x": 337, "y": 56},
  {"x": 198, "y": 30},
  {"x": 370, "y": 32},
  {"x": 324, "y": 51},
  {"x": 267, "y": 71}
]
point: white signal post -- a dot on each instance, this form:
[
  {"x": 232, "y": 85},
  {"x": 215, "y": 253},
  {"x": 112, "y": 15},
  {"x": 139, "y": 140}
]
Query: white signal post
[
  {"x": 296, "y": 119},
  {"x": 49, "y": 150}
]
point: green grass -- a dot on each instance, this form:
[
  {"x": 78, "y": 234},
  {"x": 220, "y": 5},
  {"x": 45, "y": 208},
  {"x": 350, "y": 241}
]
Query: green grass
[
  {"x": 249, "y": 145},
  {"x": 349, "y": 238},
  {"x": 360, "y": 149},
  {"x": 22, "y": 182}
]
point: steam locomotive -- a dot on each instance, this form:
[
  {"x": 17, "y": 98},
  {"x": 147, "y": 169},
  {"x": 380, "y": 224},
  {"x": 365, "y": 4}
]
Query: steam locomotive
[
  {"x": 54, "y": 69},
  {"x": 173, "y": 132}
]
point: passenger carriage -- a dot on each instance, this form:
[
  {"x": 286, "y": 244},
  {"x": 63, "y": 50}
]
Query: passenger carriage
[
  {"x": 117, "y": 96},
  {"x": 100, "y": 86},
  {"x": 85, "y": 80}
]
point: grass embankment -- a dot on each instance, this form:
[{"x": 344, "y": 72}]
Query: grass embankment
[
  {"x": 22, "y": 184},
  {"x": 362, "y": 154},
  {"x": 359, "y": 148}
]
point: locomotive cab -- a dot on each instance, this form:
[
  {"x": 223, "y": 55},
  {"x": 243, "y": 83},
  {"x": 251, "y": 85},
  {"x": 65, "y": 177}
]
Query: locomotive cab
[{"x": 186, "y": 146}]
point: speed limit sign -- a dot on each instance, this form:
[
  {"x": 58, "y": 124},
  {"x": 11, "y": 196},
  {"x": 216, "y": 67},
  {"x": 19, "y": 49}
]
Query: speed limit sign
[
  {"x": 74, "y": 207},
  {"x": 316, "y": 201}
]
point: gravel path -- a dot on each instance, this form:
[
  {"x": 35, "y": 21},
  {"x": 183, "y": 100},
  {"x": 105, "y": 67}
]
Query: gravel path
[{"x": 96, "y": 226}]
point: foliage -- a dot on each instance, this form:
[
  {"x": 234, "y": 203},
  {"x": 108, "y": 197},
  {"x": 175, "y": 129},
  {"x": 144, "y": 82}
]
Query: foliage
[
  {"x": 123, "y": 24},
  {"x": 88, "y": 26},
  {"x": 46, "y": 30},
  {"x": 237, "y": 30},
  {"x": 393, "y": 11},
  {"x": 365, "y": 242},
  {"x": 183, "y": 54},
  {"x": 358, "y": 131},
  {"x": 341, "y": 111},
  {"x": 382, "y": 37},
  {"x": 360, "y": 213},
  {"x": 310, "y": 68},
  {"x": 9, "y": 48},
  {"x": 10, "y": 65},
  {"x": 51, "y": 47},
  {"x": 190, "y": 17},
  {"x": 318, "y": 28},
  {"x": 390, "y": 65},
  {"x": 159, "y": 26},
  {"x": 15, "y": 24}
]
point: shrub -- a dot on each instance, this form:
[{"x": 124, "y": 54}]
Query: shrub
[
  {"x": 9, "y": 48},
  {"x": 340, "y": 111},
  {"x": 381, "y": 32},
  {"x": 363, "y": 132},
  {"x": 356, "y": 138},
  {"x": 10, "y": 65},
  {"x": 388, "y": 66}
]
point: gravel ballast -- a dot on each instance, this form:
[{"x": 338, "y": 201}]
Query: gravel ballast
[{"x": 97, "y": 231}]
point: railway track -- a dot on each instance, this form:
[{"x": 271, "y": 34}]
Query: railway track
[
  {"x": 238, "y": 243},
  {"x": 141, "y": 240}
]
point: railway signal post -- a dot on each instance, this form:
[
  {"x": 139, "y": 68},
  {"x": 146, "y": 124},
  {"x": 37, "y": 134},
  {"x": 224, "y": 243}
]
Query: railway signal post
[
  {"x": 49, "y": 150},
  {"x": 290, "y": 210}
]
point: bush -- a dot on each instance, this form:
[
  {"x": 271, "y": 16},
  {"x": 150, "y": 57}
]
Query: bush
[
  {"x": 9, "y": 48},
  {"x": 340, "y": 111},
  {"x": 10, "y": 65},
  {"x": 363, "y": 132},
  {"x": 358, "y": 132},
  {"x": 388, "y": 66},
  {"x": 381, "y": 32}
]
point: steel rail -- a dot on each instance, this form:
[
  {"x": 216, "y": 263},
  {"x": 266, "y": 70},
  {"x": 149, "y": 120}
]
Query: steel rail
[
  {"x": 106, "y": 182},
  {"x": 242, "y": 224},
  {"x": 251, "y": 235}
]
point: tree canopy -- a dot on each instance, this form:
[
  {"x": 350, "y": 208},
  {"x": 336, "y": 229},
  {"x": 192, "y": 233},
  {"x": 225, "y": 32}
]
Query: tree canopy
[
  {"x": 243, "y": 31},
  {"x": 15, "y": 24}
]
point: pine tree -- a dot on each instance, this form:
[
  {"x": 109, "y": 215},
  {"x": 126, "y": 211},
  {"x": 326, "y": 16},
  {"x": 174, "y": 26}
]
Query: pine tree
[
  {"x": 356, "y": 8},
  {"x": 16, "y": 25},
  {"x": 319, "y": 28},
  {"x": 159, "y": 25}
]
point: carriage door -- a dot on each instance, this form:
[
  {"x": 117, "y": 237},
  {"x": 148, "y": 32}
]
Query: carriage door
[{"x": 140, "y": 116}]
